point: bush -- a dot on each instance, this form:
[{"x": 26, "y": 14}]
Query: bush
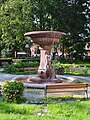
[
  {"x": 13, "y": 92},
  {"x": 19, "y": 66},
  {"x": 59, "y": 70},
  {"x": 10, "y": 69},
  {"x": 58, "y": 67},
  {"x": 26, "y": 72},
  {"x": 64, "y": 68},
  {"x": 22, "y": 64}
]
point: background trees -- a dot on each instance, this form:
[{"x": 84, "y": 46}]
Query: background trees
[
  {"x": 20, "y": 16},
  {"x": 70, "y": 16},
  {"x": 15, "y": 20}
]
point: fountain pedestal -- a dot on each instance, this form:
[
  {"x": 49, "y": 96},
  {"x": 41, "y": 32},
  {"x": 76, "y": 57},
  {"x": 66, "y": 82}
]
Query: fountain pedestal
[{"x": 45, "y": 69}]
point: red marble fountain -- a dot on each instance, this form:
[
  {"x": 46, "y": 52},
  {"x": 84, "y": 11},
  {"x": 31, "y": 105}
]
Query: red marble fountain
[{"x": 45, "y": 39}]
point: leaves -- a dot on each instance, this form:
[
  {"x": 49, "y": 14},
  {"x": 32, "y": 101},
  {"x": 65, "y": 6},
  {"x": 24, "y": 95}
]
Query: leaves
[
  {"x": 13, "y": 91},
  {"x": 13, "y": 23},
  {"x": 20, "y": 16}
]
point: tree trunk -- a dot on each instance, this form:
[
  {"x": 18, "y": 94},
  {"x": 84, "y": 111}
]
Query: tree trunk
[{"x": 15, "y": 54}]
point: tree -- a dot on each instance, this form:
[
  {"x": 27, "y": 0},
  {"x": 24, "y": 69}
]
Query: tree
[
  {"x": 15, "y": 21},
  {"x": 41, "y": 17},
  {"x": 69, "y": 16}
]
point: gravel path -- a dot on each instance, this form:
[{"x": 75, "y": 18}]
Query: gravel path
[{"x": 4, "y": 77}]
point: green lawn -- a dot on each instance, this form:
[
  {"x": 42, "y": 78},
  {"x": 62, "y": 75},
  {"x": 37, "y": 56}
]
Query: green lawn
[{"x": 79, "y": 110}]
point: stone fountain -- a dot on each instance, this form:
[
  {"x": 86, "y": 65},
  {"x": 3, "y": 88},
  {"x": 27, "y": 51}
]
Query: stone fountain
[
  {"x": 46, "y": 74},
  {"x": 45, "y": 39}
]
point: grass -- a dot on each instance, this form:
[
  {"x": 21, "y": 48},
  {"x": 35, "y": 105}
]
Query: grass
[{"x": 79, "y": 110}]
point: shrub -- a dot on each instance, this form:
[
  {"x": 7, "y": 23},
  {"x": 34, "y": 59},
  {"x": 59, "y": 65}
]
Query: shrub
[
  {"x": 64, "y": 68},
  {"x": 10, "y": 69},
  {"x": 58, "y": 67},
  {"x": 13, "y": 92},
  {"x": 19, "y": 66},
  {"x": 59, "y": 70}
]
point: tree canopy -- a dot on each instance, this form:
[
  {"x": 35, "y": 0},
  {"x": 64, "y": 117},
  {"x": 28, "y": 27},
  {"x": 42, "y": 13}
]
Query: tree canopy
[{"x": 20, "y": 16}]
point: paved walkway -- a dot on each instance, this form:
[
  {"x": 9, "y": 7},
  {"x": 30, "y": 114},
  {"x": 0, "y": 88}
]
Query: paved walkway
[
  {"x": 4, "y": 77},
  {"x": 87, "y": 78}
]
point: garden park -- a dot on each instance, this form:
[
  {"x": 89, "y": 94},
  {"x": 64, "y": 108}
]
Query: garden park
[{"x": 44, "y": 60}]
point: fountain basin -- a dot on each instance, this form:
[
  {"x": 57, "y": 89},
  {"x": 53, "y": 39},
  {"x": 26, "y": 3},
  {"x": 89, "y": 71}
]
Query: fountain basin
[{"x": 45, "y": 37}]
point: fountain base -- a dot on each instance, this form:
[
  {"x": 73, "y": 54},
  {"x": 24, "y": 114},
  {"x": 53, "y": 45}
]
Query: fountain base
[{"x": 38, "y": 80}]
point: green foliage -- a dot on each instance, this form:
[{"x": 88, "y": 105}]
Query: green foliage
[
  {"x": 25, "y": 72},
  {"x": 60, "y": 70},
  {"x": 66, "y": 111},
  {"x": 70, "y": 17},
  {"x": 58, "y": 67},
  {"x": 59, "y": 99},
  {"x": 10, "y": 69},
  {"x": 19, "y": 66},
  {"x": 20, "y": 16},
  {"x": 65, "y": 68},
  {"x": 19, "y": 109},
  {"x": 15, "y": 19},
  {"x": 13, "y": 92}
]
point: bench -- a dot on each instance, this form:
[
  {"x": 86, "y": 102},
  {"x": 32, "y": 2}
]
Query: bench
[
  {"x": 52, "y": 89},
  {"x": 61, "y": 88},
  {"x": 81, "y": 69}
]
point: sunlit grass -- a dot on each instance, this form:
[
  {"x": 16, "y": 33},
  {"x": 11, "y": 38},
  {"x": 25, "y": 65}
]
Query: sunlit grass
[{"x": 79, "y": 110}]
